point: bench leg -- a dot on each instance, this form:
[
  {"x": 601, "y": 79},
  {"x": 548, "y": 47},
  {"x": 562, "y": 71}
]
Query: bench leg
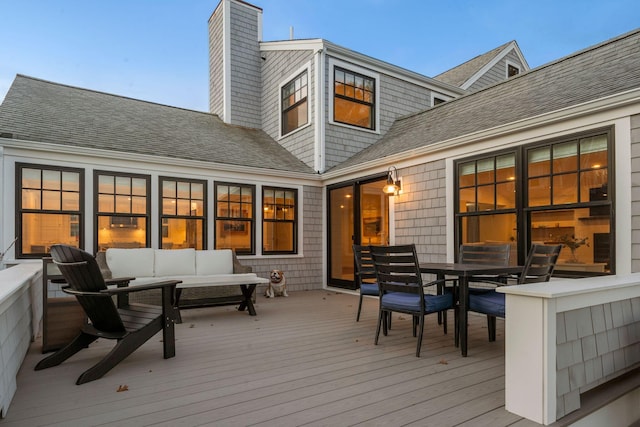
[{"x": 247, "y": 291}]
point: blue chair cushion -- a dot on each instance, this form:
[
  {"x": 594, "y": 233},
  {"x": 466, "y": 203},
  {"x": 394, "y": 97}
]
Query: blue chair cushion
[
  {"x": 491, "y": 303},
  {"x": 369, "y": 289},
  {"x": 400, "y": 301}
]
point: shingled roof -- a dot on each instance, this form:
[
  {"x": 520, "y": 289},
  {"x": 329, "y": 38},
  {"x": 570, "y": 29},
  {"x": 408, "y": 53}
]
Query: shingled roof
[
  {"x": 594, "y": 73},
  {"x": 37, "y": 110}
]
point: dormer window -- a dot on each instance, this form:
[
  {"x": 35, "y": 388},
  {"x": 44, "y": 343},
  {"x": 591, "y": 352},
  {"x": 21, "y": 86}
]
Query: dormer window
[
  {"x": 295, "y": 106},
  {"x": 354, "y": 99}
]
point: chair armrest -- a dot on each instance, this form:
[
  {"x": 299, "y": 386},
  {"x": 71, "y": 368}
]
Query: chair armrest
[
  {"x": 439, "y": 282},
  {"x": 492, "y": 282},
  {"x": 138, "y": 288},
  {"x": 119, "y": 281},
  {"x": 239, "y": 268},
  {"x": 68, "y": 290},
  {"x": 116, "y": 291}
]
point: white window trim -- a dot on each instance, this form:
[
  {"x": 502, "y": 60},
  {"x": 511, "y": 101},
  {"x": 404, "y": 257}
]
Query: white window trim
[
  {"x": 514, "y": 65},
  {"x": 307, "y": 68},
  {"x": 366, "y": 72}
]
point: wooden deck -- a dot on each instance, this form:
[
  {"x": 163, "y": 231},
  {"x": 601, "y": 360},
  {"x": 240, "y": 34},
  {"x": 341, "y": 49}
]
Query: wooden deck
[{"x": 302, "y": 360}]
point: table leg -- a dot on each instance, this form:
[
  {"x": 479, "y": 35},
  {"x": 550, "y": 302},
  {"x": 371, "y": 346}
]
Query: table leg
[
  {"x": 462, "y": 312},
  {"x": 247, "y": 291},
  {"x": 176, "y": 304}
]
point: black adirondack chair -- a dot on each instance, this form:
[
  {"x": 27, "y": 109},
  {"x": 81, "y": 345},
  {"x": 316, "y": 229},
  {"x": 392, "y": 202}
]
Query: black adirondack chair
[{"x": 130, "y": 324}]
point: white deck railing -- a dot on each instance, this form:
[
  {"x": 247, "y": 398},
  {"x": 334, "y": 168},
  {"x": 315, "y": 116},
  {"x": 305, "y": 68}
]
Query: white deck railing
[
  {"x": 566, "y": 337},
  {"x": 20, "y": 315}
]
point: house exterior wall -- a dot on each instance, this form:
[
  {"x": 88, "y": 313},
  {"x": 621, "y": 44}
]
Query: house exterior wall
[
  {"x": 497, "y": 73},
  {"x": 278, "y": 68},
  {"x": 420, "y": 211},
  {"x": 304, "y": 269},
  {"x": 216, "y": 62},
  {"x": 302, "y": 273},
  {"x": 396, "y": 98}
]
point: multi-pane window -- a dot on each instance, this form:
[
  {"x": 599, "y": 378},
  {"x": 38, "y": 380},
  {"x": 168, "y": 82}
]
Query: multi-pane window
[
  {"x": 122, "y": 210},
  {"x": 559, "y": 193},
  {"x": 50, "y": 208},
  {"x": 279, "y": 222},
  {"x": 295, "y": 107},
  {"x": 486, "y": 202},
  {"x": 183, "y": 213},
  {"x": 568, "y": 200},
  {"x": 235, "y": 213},
  {"x": 354, "y": 99}
]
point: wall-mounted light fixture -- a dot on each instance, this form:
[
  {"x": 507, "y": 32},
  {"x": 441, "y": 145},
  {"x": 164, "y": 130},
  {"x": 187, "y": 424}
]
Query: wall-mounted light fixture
[{"x": 393, "y": 185}]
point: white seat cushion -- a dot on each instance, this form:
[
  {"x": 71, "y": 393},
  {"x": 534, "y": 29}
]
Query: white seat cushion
[
  {"x": 175, "y": 262},
  {"x": 130, "y": 262},
  {"x": 219, "y": 261}
]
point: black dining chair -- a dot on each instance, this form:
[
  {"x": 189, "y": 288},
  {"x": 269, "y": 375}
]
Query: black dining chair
[
  {"x": 402, "y": 289},
  {"x": 539, "y": 266},
  {"x": 485, "y": 254},
  {"x": 365, "y": 274}
]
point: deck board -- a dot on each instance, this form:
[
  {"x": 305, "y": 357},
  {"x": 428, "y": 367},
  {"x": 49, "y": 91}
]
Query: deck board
[{"x": 302, "y": 360}]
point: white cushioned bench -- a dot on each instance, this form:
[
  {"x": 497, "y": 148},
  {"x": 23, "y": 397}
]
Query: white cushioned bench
[{"x": 195, "y": 268}]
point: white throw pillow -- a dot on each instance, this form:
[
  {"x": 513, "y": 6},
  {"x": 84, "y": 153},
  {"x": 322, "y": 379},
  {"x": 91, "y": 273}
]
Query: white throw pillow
[
  {"x": 175, "y": 262},
  {"x": 218, "y": 261},
  {"x": 130, "y": 262}
]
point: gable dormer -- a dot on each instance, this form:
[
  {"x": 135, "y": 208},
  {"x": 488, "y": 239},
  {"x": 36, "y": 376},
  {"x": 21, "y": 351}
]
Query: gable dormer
[{"x": 484, "y": 70}]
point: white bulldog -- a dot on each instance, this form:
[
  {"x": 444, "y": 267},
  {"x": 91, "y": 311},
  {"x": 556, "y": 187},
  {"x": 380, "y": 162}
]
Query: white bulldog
[{"x": 277, "y": 285}]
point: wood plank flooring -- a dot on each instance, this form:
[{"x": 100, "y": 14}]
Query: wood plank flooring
[{"x": 303, "y": 360}]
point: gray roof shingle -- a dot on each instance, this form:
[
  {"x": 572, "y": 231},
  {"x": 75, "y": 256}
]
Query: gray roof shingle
[
  {"x": 37, "y": 110},
  {"x": 603, "y": 70}
]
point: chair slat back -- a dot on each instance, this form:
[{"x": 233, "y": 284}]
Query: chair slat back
[
  {"x": 82, "y": 274},
  {"x": 365, "y": 271},
  {"x": 397, "y": 269},
  {"x": 485, "y": 254},
  {"x": 540, "y": 263}
]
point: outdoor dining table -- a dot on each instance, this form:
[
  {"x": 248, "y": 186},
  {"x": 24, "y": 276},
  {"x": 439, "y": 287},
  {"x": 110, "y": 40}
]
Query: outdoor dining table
[{"x": 465, "y": 272}]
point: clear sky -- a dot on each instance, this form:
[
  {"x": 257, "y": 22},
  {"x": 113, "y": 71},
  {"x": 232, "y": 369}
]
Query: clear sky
[{"x": 156, "y": 50}]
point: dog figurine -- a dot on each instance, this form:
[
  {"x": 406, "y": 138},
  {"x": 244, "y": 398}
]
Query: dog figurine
[{"x": 277, "y": 285}]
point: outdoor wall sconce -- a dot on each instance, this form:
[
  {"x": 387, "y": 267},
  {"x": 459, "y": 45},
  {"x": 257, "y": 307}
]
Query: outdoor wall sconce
[{"x": 393, "y": 185}]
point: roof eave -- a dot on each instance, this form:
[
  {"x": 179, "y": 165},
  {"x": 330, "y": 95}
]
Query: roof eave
[{"x": 23, "y": 144}]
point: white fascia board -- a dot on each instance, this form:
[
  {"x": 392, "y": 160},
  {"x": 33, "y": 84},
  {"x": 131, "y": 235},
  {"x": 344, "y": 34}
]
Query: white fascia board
[
  {"x": 490, "y": 64},
  {"x": 630, "y": 99},
  {"x": 51, "y": 151},
  {"x": 308, "y": 44},
  {"x": 518, "y": 52},
  {"x": 318, "y": 103}
]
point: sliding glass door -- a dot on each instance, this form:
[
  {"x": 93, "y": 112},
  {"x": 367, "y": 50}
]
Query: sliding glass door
[{"x": 358, "y": 214}]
